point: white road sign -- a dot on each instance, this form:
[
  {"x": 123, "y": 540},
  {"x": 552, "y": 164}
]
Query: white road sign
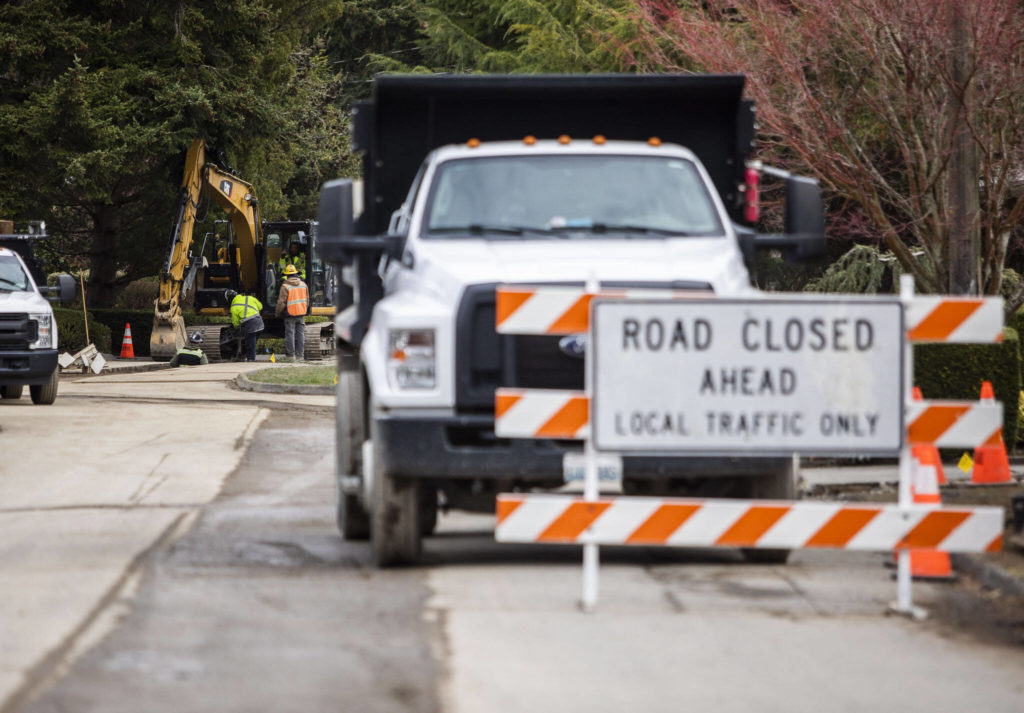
[{"x": 765, "y": 376}]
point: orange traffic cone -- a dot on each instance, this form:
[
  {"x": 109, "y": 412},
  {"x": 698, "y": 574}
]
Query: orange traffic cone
[
  {"x": 924, "y": 486},
  {"x": 926, "y": 453},
  {"x": 127, "y": 350},
  {"x": 991, "y": 465}
]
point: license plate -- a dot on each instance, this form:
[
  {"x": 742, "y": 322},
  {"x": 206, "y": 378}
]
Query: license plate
[{"x": 609, "y": 468}]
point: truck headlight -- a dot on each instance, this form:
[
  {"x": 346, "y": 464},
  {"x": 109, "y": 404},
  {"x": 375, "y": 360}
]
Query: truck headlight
[
  {"x": 411, "y": 358},
  {"x": 44, "y": 331}
]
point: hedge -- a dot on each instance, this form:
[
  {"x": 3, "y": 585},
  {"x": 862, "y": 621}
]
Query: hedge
[
  {"x": 955, "y": 371},
  {"x": 71, "y": 331}
]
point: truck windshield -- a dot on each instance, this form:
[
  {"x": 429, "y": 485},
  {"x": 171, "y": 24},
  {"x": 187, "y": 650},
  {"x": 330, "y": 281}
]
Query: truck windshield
[
  {"x": 570, "y": 196},
  {"x": 12, "y": 276}
]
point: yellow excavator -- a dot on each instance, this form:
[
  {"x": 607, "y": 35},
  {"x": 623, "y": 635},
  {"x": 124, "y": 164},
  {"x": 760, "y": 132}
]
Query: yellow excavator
[{"x": 246, "y": 262}]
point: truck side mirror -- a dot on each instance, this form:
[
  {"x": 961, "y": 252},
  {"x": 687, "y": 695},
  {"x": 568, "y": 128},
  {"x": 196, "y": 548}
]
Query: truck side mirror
[
  {"x": 334, "y": 213},
  {"x": 65, "y": 290},
  {"x": 805, "y": 223},
  {"x": 805, "y": 216},
  {"x": 394, "y": 245}
]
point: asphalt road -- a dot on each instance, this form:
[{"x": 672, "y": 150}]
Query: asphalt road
[{"x": 169, "y": 545}]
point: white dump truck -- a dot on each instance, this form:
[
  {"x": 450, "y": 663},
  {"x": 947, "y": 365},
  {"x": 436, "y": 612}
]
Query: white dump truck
[
  {"x": 470, "y": 182},
  {"x": 28, "y": 330}
]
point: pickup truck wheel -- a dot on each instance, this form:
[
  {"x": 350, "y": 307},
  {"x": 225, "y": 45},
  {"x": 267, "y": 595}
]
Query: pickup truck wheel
[
  {"x": 779, "y": 485},
  {"x": 428, "y": 510},
  {"x": 353, "y": 520},
  {"x": 45, "y": 393},
  {"x": 11, "y": 392},
  {"x": 394, "y": 516}
]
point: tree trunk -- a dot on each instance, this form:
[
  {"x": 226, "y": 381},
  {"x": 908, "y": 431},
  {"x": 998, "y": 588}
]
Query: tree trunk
[
  {"x": 962, "y": 186},
  {"x": 101, "y": 286}
]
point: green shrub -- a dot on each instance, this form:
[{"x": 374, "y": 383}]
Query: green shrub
[
  {"x": 270, "y": 345},
  {"x": 199, "y": 319},
  {"x": 139, "y": 294},
  {"x": 955, "y": 371},
  {"x": 71, "y": 331}
]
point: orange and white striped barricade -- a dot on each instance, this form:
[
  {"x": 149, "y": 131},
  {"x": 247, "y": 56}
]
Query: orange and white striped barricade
[
  {"x": 558, "y": 310},
  {"x": 682, "y": 522},
  {"x": 541, "y": 413},
  {"x": 954, "y": 424},
  {"x": 962, "y": 320},
  {"x": 592, "y": 521}
]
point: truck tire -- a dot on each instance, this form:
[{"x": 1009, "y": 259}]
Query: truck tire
[
  {"x": 353, "y": 520},
  {"x": 394, "y": 515},
  {"x": 45, "y": 393},
  {"x": 779, "y": 485},
  {"x": 428, "y": 509},
  {"x": 11, "y": 392}
]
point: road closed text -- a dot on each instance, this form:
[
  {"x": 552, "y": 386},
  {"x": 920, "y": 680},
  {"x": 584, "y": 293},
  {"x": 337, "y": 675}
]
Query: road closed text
[{"x": 763, "y": 376}]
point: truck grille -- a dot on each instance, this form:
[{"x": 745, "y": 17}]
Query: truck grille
[
  {"x": 17, "y": 331},
  {"x": 486, "y": 360}
]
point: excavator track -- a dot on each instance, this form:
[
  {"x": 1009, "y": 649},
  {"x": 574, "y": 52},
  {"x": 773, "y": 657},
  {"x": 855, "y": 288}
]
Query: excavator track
[
  {"x": 319, "y": 341},
  {"x": 217, "y": 346}
]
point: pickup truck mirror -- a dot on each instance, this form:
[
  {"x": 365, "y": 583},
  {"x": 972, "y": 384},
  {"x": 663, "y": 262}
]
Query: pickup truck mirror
[
  {"x": 394, "y": 245},
  {"x": 64, "y": 292},
  {"x": 805, "y": 223}
]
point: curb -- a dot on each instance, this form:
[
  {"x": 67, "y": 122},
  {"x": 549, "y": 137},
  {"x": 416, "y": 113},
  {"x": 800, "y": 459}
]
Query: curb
[
  {"x": 134, "y": 369},
  {"x": 246, "y": 384},
  {"x": 990, "y": 575}
]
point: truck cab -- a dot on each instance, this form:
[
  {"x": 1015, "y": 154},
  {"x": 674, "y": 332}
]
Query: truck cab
[
  {"x": 28, "y": 333},
  {"x": 553, "y": 182}
]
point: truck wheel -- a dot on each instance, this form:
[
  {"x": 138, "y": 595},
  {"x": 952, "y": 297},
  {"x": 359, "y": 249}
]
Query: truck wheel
[
  {"x": 45, "y": 393},
  {"x": 353, "y": 520},
  {"x": 428, "y": 510},
  {"x": 11, "y": 392},
  {"x": 779, "y": 485},
  {"x": 394, "y": 515}
]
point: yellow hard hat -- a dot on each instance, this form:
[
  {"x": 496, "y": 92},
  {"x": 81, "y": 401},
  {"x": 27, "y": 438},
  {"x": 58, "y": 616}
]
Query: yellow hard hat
[{"x": 290, "y": 270}]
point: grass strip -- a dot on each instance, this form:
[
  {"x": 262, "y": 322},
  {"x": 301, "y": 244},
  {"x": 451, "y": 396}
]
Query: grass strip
[{"x": 317, "y": 375}]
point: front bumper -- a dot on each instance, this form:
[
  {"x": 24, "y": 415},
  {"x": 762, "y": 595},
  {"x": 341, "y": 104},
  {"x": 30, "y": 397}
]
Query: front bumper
[
  {"x": 27, "y": 367},
  {"x": 464, "y": 446}
]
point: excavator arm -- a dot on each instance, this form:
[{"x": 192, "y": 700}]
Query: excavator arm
[{"x": 238, "y": 199}]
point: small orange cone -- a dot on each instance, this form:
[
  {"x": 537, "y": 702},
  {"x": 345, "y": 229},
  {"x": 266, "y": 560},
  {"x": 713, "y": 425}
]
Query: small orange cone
[
  {"x": 127, "y": 350},
  {"x": 926, "y": 453},
  {"x": 991, "y": 464},
  {"x": 924, "y": 486}
]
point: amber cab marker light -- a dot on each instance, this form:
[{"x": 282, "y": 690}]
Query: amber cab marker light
[
  {"x": 530, "y": 140},
  {"x": 473, "y": 143},
  {"x": 654, "y": 141},
  {"x": 599, "y": 140},
  {"x": 564, "y": 139}
]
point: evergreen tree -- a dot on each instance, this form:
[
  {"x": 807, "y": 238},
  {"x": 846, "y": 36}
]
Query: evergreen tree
[
  {"x": 519, "y": 36},
  {"x": 100, "y": 100}
]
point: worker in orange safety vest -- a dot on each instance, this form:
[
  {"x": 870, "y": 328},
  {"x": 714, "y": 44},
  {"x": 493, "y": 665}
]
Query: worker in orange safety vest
[{"x": 293, "y": 303}]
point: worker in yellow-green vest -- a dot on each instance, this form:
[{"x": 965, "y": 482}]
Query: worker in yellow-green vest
[
  {"x": 191, "y": 354},
  {"x": 294, "y": 257},
  {"x": 245, "y": 317}
]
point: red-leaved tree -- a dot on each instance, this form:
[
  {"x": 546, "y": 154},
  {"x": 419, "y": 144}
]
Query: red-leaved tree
[{"x": 911, "y": 109}]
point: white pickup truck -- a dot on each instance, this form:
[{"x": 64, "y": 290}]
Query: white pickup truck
[
  {"x": 472, "y": 182},
  {"x": 28, "y": 330}
]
